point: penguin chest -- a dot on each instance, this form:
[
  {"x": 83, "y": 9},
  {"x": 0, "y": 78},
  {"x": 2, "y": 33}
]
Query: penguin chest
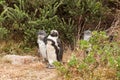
[
  {"x": 87, "y": 37},
  {"x": 42, "y": 48},
  {"x": 50, "y": 48},
  {"x": 51, "y": 53}
]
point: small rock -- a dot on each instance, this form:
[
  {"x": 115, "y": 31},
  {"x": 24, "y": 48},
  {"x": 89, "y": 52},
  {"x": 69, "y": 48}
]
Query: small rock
[{"x": 17, "y": 59}]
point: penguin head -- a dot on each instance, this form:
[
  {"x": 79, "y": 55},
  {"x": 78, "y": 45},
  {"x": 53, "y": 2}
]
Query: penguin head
[
  {"x": 88, "y": 32},
  {"x": 54, "y": 33},
  {"x": 42, "y": 34}
]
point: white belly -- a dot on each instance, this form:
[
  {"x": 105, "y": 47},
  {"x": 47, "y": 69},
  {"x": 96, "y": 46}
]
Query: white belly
[
  {"x": 42, "y": 49},
  {"x": 51, "y": 54},
  {"x": 87, "y": 37}
]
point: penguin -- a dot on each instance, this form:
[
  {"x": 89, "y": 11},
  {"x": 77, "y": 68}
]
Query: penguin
[
  {"x": 41, "y": 40},
  {"x": 54, "y": 48},
  {"x": 87, "y": 35}
]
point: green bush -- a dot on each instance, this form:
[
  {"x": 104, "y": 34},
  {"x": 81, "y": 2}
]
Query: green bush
[
  {"x": 3, "y": 33},
  {"x": 25, "y": 17},
  {"x": 102, "y": 55}
]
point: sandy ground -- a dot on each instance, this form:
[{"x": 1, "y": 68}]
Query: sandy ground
[
  {"x": 34, "y": 71},
  {"x": 31, "y": 71}
]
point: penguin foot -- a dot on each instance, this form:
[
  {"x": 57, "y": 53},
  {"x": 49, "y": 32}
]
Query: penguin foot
[{"x": 51, "y": 66}]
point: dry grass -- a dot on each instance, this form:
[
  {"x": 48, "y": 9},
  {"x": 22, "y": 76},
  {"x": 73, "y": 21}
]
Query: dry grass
[
  {"x": 37, "y": 71},
  {"x": 27, "y": 71},
  {"x": 11, "y": 47},
  {"x": 33, "y": 71},
  {"x": 30, "y": 71}
]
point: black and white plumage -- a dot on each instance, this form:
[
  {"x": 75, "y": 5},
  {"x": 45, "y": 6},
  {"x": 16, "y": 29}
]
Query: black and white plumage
[
  {"x": 41, "y": 40},
  {"x": 54, "y": 48}
]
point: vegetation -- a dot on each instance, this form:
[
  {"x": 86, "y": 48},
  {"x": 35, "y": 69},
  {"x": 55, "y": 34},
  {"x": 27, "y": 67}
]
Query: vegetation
[
  {"x": 101, "y": 63},
  {"x": 23, "y": 18},
  {"x": 20, "y": 20}
]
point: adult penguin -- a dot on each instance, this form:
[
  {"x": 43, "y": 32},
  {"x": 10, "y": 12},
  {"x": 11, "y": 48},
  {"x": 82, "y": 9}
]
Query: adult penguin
[
  {"x": 87, "y": 36},
  {"x": 54, "y": 48},
  {"x": 41, "y": 40}
]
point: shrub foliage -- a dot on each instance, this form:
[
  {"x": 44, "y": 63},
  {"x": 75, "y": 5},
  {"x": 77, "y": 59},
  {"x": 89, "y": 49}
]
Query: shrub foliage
[
  {"x": 25, "y": 17},
  {"x": 101, "y": 62}
]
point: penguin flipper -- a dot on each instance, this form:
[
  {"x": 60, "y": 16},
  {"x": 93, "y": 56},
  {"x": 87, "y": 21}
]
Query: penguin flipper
[{"x": 60, "y": 53}]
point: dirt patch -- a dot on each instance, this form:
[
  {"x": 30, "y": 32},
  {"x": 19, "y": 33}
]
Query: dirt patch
[
  {"x": 34, "y": 71},
  {"x": 31, "y": 71}
]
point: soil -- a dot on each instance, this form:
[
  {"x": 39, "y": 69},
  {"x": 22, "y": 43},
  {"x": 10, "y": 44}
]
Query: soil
[
  {"x": 31, "y": 71},
  {"x": 34, "y": 71}
]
